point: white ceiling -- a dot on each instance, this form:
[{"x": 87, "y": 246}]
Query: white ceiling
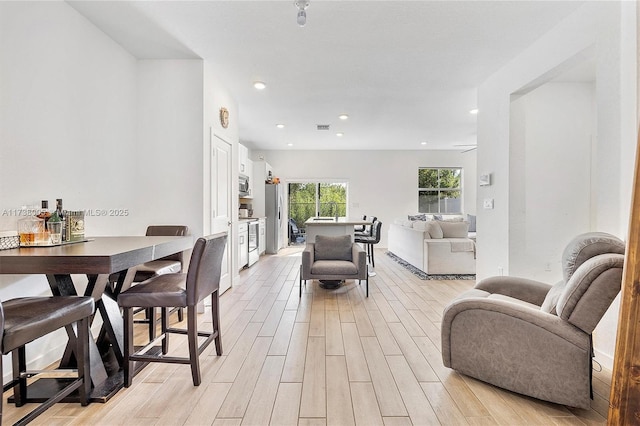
[{"x": 406, "y": 72}]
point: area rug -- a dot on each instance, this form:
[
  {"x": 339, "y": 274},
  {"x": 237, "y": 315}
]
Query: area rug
[{"x": 424, "y": 276}]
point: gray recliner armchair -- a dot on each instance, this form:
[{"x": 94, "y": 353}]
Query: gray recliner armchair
[
  {"x": 333, "y": 258},
  {"x": 533, "y": 338}
]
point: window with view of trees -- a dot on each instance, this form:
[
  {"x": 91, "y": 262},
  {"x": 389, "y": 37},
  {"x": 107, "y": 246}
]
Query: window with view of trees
[
  {"x": 440, "y": 190},
  {"x": 311, "y": 199}
]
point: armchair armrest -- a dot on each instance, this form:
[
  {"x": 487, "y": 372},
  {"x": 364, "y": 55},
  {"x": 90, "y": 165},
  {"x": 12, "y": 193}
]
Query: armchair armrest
[
  {"x": 359, "y": 257},
  {"x": 519, "y": 288},
  {"x": 514, "y": 317},
  {"x": 307, "y": 259}
]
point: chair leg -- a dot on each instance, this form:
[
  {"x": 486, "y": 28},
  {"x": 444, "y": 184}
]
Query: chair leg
[
  {"x": 150, "y": 313},
  {"x": 19, "y": 365},
  {"x": 373, "y": 260},
  {"x": 300, "y": 281},
  {"x": 127, "y": 314},
  {"x": 215, "y": 318},
  {"x": 367, "y": 281},
  {"x": 164, "y": 318},
  {"x": 180, "y": 314},
  {"x": 192, "y": 337},
  {"x": 82, "y": 356}
]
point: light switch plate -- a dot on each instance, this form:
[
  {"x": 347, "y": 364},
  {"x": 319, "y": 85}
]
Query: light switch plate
[{"x": 488, "y": 203}]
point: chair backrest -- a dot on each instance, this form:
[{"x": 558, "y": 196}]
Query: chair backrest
[
  {"x": 376, "y": 228},
  {"x": 169, "y": 231},
  {"x": 592, "y": 267},
  {"x": 294, "y": 227},
  {"x": 205, "y": 267}
]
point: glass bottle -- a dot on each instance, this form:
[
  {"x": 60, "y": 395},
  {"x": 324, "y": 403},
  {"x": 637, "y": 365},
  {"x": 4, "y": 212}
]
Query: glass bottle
[
  {"x": 44, "y": 214},
  {"x": 61, "y": 215}
]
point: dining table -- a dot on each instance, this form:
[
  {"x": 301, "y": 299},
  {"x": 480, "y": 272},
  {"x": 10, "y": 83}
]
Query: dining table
[{"x": 109, "y": 265}]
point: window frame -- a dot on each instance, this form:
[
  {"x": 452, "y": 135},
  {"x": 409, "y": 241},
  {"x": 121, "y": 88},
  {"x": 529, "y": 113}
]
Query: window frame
[{"x": 440, "y": 189}]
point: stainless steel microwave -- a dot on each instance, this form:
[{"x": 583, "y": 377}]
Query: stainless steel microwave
[{"x": 243, "y": 188}]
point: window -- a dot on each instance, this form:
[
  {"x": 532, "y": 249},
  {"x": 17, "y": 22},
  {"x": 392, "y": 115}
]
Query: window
[
  {"x": 440, "y": 190},
  {"x": 309, "y": 199}
]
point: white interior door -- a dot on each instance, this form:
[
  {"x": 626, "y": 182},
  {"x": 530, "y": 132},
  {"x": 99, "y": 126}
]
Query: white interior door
[{"x": 221, "y": 201}]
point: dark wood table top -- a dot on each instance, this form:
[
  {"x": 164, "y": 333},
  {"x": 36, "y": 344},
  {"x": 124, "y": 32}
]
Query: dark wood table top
[{"x": 99, "y": 255}]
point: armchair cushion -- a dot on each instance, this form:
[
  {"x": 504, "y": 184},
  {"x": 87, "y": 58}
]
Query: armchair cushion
[
  {"x": 333, "y": 247},
  {"x": 550, "y": 302},
  {"x": 334, "y": 267}
]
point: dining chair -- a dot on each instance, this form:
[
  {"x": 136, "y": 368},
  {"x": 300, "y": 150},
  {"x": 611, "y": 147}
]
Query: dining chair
[
  {"x": 173, "y": 263},
  {"x": 25, "y": 319},
  {"x": 177, "y": 290},
  {"x": 371, "y": 240}
]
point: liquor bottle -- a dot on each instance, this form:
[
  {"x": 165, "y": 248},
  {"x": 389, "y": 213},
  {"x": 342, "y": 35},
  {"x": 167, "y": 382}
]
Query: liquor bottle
[
  {"x": 44, "y": 212},
  {"x": 61, "y": 215}
]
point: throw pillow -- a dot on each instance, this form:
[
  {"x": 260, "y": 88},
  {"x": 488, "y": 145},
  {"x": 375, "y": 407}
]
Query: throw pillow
[
  {"x": 471, "y": 218},
  {"x": 551, "y": 300},
  {"x": 434, "y": 229},
  {"x": 437, "y": 217},
  {"x": 420, "y": 216},
  {"x": 454, "y": 229},
  {"x": 333, "y": 247}
]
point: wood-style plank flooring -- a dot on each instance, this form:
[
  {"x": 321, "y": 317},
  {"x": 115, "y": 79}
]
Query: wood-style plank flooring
[{"x": 328, "y": 358}]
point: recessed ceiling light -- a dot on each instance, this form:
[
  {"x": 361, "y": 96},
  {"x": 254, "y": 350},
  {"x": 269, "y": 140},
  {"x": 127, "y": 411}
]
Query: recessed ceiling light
[
  {"x": 339, "y": 134},
  {"x": 289, "y": 144},
  {"x": 280, "y": 126},
  {"x": 343, "y": 116},
  {"x": 423, "y": 143},
  {"x": 259, "y": 85},
  {"x": 473, "y": 111}
]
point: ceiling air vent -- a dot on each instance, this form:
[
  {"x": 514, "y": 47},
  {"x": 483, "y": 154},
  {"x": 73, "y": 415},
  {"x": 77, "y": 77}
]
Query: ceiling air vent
[{"x": 323, "y": 126}]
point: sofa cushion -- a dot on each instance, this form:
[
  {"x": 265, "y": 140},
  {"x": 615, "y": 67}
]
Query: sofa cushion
[
  {"x": 333, "y": 247},
  {"x": 420, "y": 216},
  {"x": 434, "y": 229},
  {"x": 471, "y": 218},
  {"x": 454, "y": 229},
  {"x": 421, "y": 225}
]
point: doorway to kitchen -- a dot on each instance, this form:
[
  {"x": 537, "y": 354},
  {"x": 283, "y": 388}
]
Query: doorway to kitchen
[{"x": 308, "y": 199}]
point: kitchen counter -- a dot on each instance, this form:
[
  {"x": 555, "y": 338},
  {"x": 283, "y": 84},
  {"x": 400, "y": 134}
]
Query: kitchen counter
[{"x": 331, "y": 226}]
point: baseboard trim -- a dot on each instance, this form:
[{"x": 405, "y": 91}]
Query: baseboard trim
[{"x": 603, "y": 359}]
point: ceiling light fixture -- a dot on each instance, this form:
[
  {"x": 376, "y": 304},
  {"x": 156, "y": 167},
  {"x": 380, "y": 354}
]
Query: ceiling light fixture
[
  {"x": 302, "y": 14},
  {"x": 474, "y": 111},
  {"x": 423, "y": 143},
  {"x": 339, "y": 134},
  {"x": 280, "y": 126},
  {"x": 259, "y": 85},
  {"x": 343, "y": 116},
  {"x": 289, "y": 144}
]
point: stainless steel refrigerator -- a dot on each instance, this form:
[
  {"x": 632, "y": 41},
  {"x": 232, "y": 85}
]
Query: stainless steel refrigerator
[{"x": 273, "y": 205}]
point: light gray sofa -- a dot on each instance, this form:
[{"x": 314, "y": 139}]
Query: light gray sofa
[
  {"x": 434, "y": 246},
  {"x": 531, "y": 337}
]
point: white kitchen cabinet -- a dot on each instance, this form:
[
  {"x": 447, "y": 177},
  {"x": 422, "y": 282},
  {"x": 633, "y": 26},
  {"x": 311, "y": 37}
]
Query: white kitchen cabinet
[
  {"x": 243, "y": 157},
  {"x": 262, "y": 235},
  {"x": 243, "y": 245},
  {"x": 249, "y": 173}
]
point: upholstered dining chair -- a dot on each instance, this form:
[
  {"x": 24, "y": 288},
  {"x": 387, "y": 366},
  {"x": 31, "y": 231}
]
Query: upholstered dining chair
[
  {"x": 333, "y": 258},
  {"x": 26, "y": 319},
  {"x": 166, "y": 291},
  {"x": 173, "y": 263},
  {"x": 533, "y": 338}
]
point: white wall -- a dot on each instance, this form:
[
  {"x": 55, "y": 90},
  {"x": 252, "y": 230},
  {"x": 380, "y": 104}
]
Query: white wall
[
  {"x": 168, "y": 152},
  {"x": 551, "y": 131},
  {"x": 381, "y": 183},
  {"x": 68, "y": 111},
  {"x": 609, "y": 30}
]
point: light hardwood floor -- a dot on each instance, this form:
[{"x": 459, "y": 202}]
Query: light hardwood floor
[{"x": 328, "y": 358}]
